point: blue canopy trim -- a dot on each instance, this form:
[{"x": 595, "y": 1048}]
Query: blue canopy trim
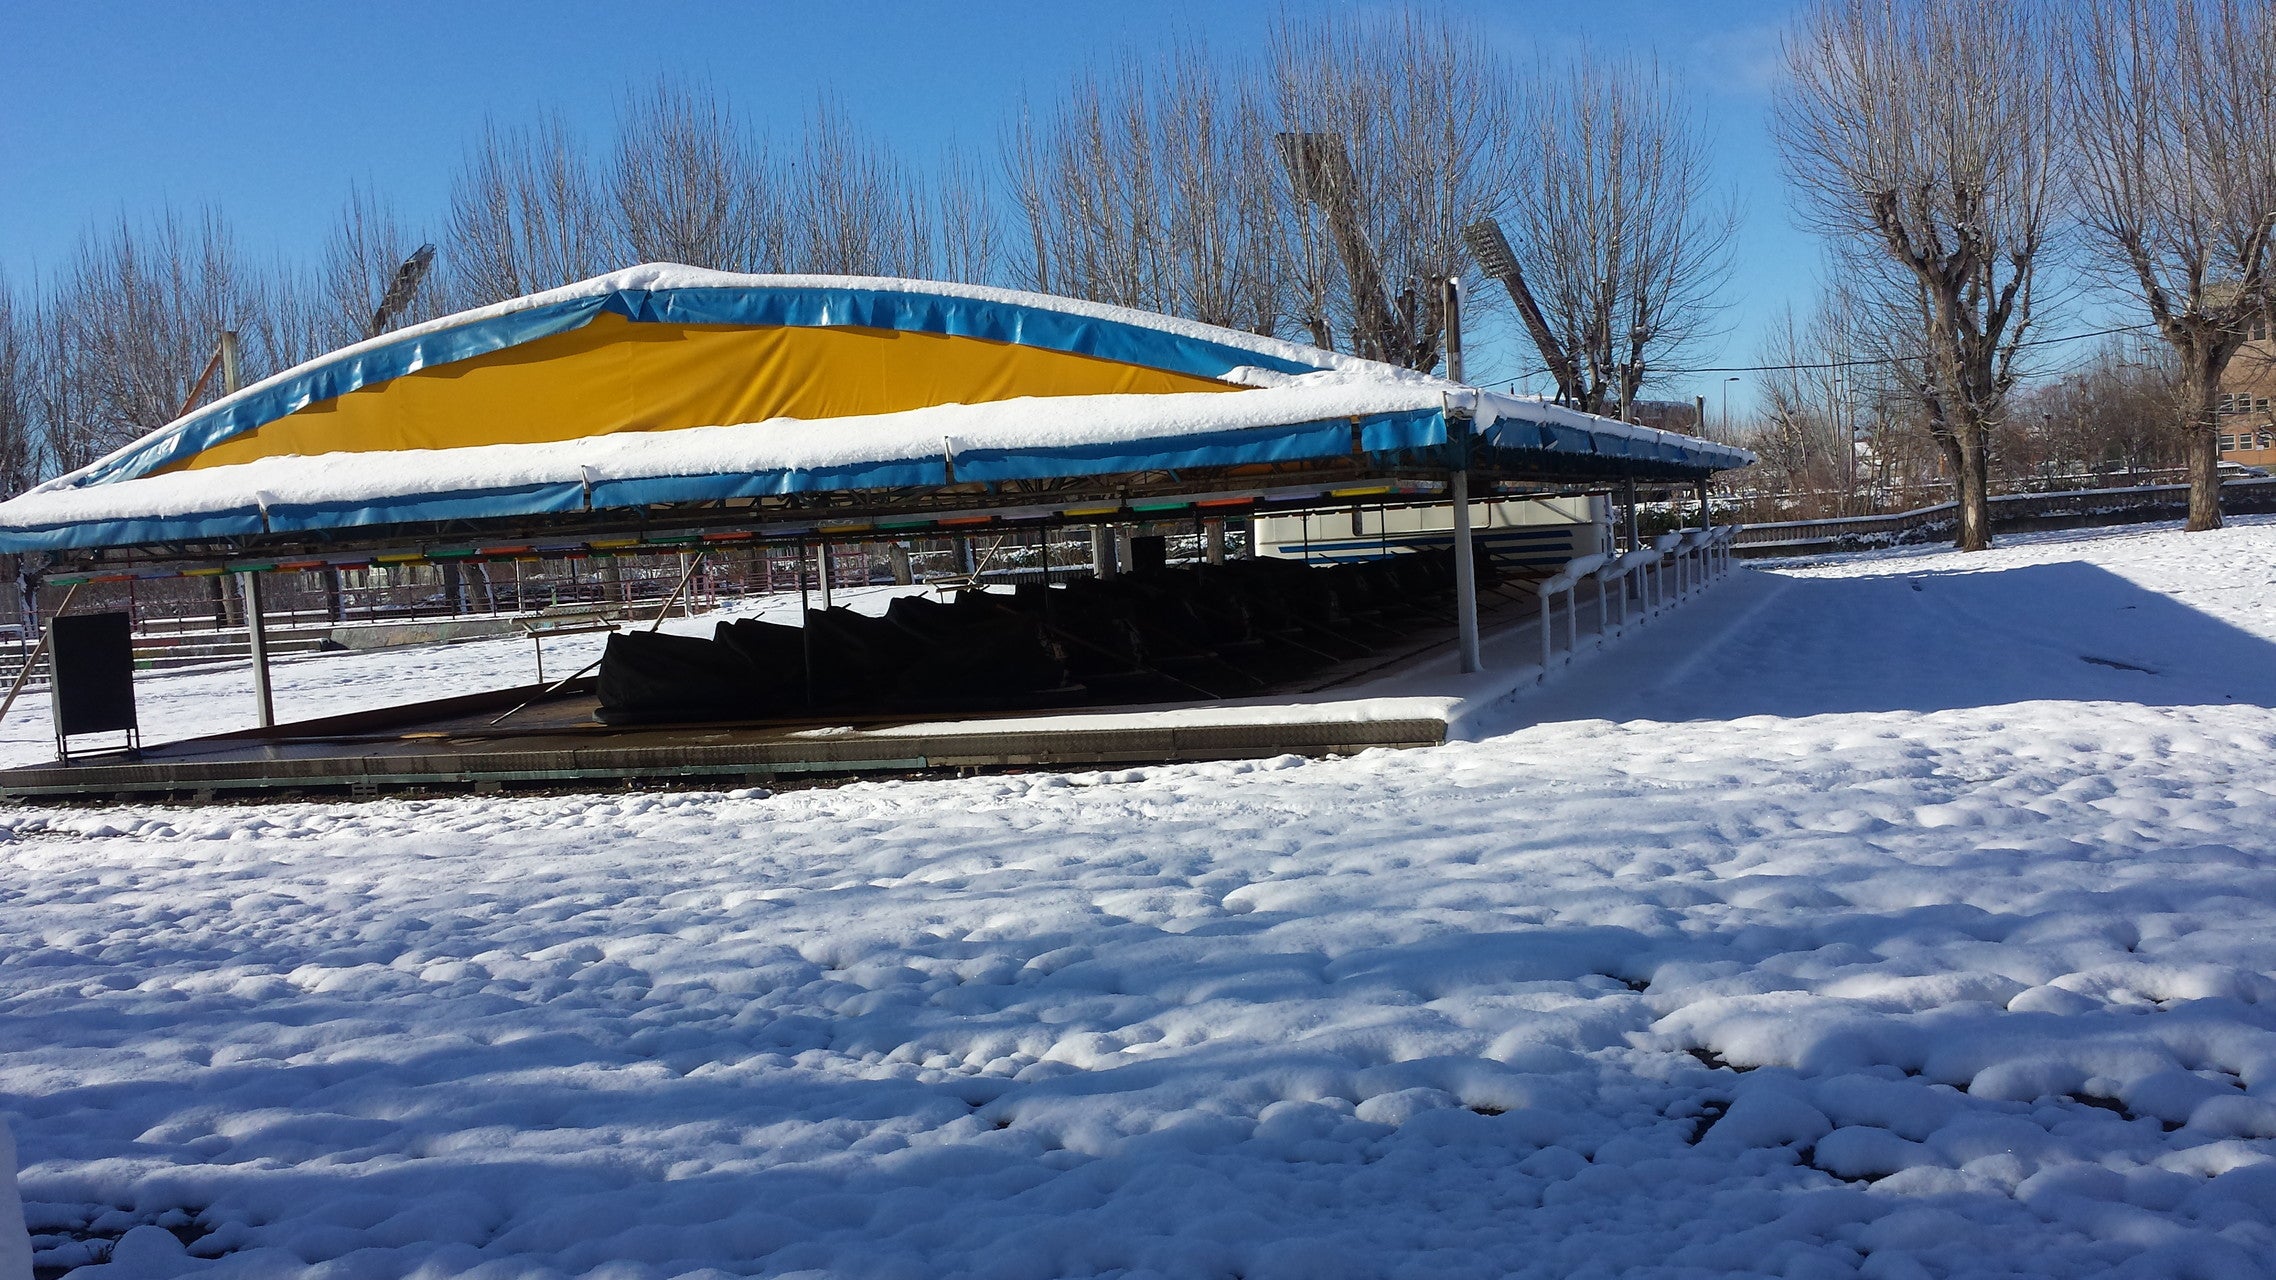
[
  {"x": 1527, "y": 435},
  {"x": 808, "y": 306},
  {"x": 1382, "y": 433}
]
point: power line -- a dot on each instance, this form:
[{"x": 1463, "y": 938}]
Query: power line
[
  {"x": 1859, "y": 362},
  {"x": 1887, "y": 360}
]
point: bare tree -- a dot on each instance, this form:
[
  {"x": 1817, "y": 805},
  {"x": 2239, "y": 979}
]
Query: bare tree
[
  {"x": 1925, "y": 129},
  {"x": 2174, "y": 126},
  {"x": 1395, "y": 133},
  {"x": 363, "y": 255},
  {"x": 2120, "y": 412},
  {"x": 527, "y": 212},
  {"x": 1144, "y": 188},
  {"x": 1805, "y": 437},
  {"x": 969, "y": 244},
  {"x": 855, "y": 209},
  {"x": 690, "y": 184},
  {"x": 134, "y": 320},
  {"x": 1616, "y": 222},
  {"x": 19, "y": 427}
]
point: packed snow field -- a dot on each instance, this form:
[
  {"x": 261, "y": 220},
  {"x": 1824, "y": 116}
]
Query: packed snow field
[{"x": 1903, "y": 915}]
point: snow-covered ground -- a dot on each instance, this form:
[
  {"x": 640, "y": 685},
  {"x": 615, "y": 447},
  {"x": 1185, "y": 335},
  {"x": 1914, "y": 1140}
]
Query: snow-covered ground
[{"x": 1909, "y": 914}]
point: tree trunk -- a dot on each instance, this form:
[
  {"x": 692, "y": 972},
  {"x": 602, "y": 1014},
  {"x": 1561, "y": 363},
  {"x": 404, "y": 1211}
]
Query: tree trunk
[
  {"x": 1973, "y": 490},
  {"x": 2201, "y": 383},
  {"x": 1956, "y": 466}
]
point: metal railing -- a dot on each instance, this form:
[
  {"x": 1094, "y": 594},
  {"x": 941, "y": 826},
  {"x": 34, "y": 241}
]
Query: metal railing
[{"x": 2009, "y": 511}]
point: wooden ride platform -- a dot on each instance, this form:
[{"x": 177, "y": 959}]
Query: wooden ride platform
[{"x": 453, "y": 745}]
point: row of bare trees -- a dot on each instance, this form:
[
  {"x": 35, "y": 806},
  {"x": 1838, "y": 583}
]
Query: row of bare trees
[
  {"x": 1322, "y": 191},
  {"x": 1951, "y": 153},
  {"x": 1317, "y": 189},
  {"x": 1954, "y": 154},
  {"x": 1840, "y": 435}
]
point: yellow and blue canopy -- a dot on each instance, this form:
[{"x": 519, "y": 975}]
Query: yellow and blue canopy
[{"x": 669, "y": 384}]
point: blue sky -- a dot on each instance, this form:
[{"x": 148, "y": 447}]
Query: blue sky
[{"x": 270, "y": 111}]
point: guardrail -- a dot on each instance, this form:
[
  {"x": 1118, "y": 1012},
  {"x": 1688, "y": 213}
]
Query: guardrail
[
  {"x": 2009, "y": 511},
  {"x": 1657, "y": 578}
]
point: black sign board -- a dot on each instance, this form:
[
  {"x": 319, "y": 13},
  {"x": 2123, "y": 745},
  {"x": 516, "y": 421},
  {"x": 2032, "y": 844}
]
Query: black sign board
[{"x": 93, "y": 664}]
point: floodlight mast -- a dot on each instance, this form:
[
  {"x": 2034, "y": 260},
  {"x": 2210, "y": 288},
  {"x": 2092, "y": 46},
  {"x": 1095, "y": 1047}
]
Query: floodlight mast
[
  {"x": 1319, "y": 171},
  {"x": 1491, "y": 248},
  {"x": 402, "y": 289}
]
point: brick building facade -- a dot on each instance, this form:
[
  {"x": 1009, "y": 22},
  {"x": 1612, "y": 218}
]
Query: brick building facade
[{"x": 2247, "y": 424}]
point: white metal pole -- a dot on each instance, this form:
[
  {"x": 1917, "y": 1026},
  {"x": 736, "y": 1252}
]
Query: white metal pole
[
  {"x": 1548, "y": 643},
  {"x": 1465, "y": 574}
]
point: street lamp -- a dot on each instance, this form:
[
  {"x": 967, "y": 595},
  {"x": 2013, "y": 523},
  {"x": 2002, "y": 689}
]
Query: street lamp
[{"x": 1727, "y": 404}]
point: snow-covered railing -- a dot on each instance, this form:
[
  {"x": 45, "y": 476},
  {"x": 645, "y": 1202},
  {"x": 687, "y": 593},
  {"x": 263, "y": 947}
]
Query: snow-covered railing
[
  {"x": 1693, "y": 559},
  {"x": 1564, "y": 580}
]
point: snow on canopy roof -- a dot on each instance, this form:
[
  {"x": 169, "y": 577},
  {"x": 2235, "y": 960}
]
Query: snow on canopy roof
[
  {"x": 664, "y": 294},
  {"x": 666, "y": 384}
]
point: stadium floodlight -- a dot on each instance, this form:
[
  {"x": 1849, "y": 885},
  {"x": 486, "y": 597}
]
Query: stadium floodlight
[
  {"x": 1320, "y": 173},
  {"x": 402, "y": 289},
  {"x": 1491, "y": 248}
]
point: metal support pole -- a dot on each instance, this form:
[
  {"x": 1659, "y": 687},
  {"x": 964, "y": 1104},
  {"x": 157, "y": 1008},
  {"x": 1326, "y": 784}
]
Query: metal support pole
[
  {"x": 1102, "y": 551},
  {"x": 1628, "y": 499},
  {"x": 1706, "y": 517},
  {"x": 805, "y": 628},
  {"x": 1450, "y": 309},
  {"x": 822, "y": 570},
  {"x": 1458, "y": 492},
  {"x": 1548, "y": 637},
  {"x": 257, "y": 637},
  {"x": 1465, "y": 574}
]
